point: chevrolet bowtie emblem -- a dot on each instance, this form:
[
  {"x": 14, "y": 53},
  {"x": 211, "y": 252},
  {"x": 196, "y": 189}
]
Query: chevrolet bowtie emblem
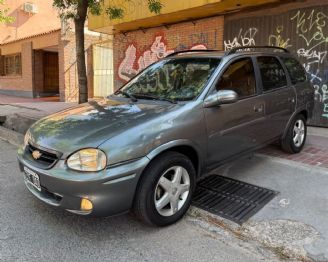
[{"x": 36, "y": 154}]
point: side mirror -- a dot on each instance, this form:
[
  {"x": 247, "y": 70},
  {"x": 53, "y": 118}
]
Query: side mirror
[{"x": 221, "y": 97}]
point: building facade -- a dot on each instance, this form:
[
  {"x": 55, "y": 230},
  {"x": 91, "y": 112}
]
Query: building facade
[
  {"x": 141, "y": 38},
  {"x": 302, "y": 28},
  {"x": 37, "y": 53}
]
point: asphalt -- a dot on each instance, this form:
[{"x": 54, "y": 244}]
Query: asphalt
[{"x": 33, "y": 231}]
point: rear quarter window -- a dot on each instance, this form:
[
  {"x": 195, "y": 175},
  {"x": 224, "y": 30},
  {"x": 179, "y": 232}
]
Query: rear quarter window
[
  {"x": 295, "y": 70},
  {"x": 272, "y": 73}
]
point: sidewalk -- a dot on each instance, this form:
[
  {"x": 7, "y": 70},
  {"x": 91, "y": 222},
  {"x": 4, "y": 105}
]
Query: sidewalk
[
  {"x": 294, "y": 224},
  {"x": 315, "y": 152},
  {"x": 5, "y": 99},
  {"x": 18, "y": 114}
]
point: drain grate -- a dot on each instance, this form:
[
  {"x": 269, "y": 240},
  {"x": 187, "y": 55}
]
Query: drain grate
[{"x": 230, "y": 198}]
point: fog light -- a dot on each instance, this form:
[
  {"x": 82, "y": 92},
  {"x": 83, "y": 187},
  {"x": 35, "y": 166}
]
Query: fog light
[{"x": 86, "y": 204}]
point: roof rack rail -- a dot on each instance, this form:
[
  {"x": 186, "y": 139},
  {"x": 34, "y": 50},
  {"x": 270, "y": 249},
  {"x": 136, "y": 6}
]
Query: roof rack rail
[
  {"x": 234, "y": 50},
  {"x": 192, "y": 51}
]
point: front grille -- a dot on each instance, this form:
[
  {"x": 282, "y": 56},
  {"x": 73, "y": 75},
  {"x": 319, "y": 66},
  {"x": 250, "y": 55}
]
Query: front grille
[{"x": 46, "y": 160}]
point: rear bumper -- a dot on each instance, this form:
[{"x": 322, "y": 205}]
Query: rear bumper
[{"x": 111, "y": 191}]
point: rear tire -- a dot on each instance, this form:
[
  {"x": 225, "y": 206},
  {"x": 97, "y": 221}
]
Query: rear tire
[
  {"x": 295, "y": 138},
  {"x": 165, "y": 190}
]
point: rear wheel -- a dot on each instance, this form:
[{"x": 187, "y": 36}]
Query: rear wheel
[
  {"x": 165, "y": 190},
  {"x": 294, "y": 140}
]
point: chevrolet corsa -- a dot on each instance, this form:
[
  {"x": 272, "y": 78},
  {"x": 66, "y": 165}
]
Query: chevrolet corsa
[{"x": 144, "y": 147}]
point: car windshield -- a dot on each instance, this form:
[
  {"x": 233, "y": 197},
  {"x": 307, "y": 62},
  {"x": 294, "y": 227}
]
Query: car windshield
[{"x": 176, "y": 79}]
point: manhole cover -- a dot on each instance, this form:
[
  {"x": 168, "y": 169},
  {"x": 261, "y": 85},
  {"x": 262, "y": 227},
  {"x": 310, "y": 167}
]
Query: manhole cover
[{"x": 230, "y": 198}]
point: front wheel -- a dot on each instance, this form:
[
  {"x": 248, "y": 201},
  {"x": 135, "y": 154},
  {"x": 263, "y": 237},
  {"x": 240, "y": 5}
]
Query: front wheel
[
  {"x": 294, "y": 140},
  {"x": 165, "y": 189}
]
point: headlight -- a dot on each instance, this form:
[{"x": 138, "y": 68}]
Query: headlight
[
  {"x": 88, "y": 160},
  {"x": 27, "y": 138}
]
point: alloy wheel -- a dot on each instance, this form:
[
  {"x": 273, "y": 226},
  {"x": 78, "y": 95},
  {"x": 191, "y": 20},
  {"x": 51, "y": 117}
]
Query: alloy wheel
[
  {"x": 172, "y": 191},
  {"x": 299, "y": 133}
]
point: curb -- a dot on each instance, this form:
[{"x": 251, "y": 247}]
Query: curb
[
  {"x": 291, "y": 163},
  {"x": 11, "y": 136},
  {"x": 242, "y": 232}
]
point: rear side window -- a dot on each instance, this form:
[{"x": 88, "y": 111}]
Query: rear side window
[
  {"x": 295, "y": 70},
  {"x": 272, "y": 73},
  {"x": 239, "y": 77}
]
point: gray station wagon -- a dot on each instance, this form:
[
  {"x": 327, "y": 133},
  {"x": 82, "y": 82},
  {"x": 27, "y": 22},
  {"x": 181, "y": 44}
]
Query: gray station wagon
[{"x": 144, "y": 147}]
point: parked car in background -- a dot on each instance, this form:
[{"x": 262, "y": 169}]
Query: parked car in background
[{"x": 144, "y": 147}]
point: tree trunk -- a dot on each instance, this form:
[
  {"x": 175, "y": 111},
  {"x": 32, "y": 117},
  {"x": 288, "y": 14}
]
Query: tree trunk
[{"x": 79, "y": 22}]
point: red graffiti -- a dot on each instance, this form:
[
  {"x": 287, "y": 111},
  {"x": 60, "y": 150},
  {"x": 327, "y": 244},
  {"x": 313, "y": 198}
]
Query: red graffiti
[{"x": 158, "y": 50}]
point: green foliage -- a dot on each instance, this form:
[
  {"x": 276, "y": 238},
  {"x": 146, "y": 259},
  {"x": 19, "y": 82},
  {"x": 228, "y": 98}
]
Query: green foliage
[
  {"x": 67, "y": 8},
  {"x": 4, "y": 18},
  {"x": 155, "y": 6},
  {"x": 117, "y": 12},
  {"x": 95, "y": 7}
]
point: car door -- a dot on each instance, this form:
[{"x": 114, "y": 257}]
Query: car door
[
  {"x": 297, "y": 74},
  {"x": 234, "y": 128},
  {"x": 278, "y": 94}
]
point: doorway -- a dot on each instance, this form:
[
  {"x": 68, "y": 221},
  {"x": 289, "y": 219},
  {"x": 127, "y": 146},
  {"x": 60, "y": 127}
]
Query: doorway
[{"x": 51, "y": 73}]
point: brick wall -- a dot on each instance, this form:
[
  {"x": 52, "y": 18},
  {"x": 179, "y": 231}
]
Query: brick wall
[
  {"x": 38, "y": 72},
  {"x": 24, "y": 83},
  {"x": 135, "y": 50},
  {"x": 29, "y": 49}
]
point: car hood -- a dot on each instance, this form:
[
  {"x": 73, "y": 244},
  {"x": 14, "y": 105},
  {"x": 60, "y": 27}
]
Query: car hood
[{"x": 92, "y": 123}]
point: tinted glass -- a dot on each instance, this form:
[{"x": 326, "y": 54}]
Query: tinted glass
[
  {"x": 239, "y": 77},
  {"x": 176, "y": 79},
  {"x": 295, "y": 69},
  {"x": 272, "y": 73}
]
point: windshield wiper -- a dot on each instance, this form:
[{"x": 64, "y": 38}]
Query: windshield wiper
[
  {"x": 132, "y": 97},
  {"x": 147, "y": 96}
]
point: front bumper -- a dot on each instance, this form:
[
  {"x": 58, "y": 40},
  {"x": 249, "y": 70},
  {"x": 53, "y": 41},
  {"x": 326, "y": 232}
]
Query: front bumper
[{"x": 111, "y": 191}]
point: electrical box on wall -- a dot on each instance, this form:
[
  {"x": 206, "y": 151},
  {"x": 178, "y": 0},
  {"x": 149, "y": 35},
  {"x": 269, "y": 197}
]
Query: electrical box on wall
[{"x": 30, "y": 8}]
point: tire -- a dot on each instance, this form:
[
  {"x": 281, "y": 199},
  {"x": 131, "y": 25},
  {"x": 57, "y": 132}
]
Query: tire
[
  {"x": 288, "y": 142},
  {"x": 151, "y": 189}
]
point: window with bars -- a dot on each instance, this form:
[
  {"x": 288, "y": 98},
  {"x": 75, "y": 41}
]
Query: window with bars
[{"x": 13, "y": 64}]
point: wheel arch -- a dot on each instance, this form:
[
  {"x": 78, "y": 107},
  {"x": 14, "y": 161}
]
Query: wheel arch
[
  {"x": 185, "y": 147},
  {"x": 305, "y": 113},
  {"x": 302, "y": 111}
]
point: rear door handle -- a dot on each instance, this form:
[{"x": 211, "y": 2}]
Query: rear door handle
[
  {"x": 291, "y": 99},
  {"x": 259, "y": 108}
]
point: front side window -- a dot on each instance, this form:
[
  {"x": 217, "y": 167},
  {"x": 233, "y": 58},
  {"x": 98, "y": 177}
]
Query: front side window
[
  {"x": 13, "y": 64},
  {"x": 295, "y": 69},
  {"x": 272, "y": 73},
  {"x": 179, "y": 79},
  {"x": 239, "y": 77}
]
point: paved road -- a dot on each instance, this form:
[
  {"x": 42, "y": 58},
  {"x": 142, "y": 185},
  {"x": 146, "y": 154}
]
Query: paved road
[{"x": 32, "y": 231}]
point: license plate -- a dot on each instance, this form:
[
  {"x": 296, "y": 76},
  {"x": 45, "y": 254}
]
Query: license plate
[{"x": 32, "y": 178}]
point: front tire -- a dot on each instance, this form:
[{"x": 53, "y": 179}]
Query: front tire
[
  {"x": 165, "y": 190},
  {"x": 295, "y": 138}
]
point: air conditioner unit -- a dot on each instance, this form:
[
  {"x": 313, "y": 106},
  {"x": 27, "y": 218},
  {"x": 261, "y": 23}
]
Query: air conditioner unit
[{"x": 30, "y": 8}]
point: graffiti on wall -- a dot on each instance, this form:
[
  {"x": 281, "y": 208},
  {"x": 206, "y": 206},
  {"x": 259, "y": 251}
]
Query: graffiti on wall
[
  {"x": 304, "y": 32},
  {"x": 244, "y": 38},
  {"x": 128, "y": 67},
  {"x": 312, "y": 31},
  {"x": 132, "y": 64},
  {"x": 276, "y": 39}
]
